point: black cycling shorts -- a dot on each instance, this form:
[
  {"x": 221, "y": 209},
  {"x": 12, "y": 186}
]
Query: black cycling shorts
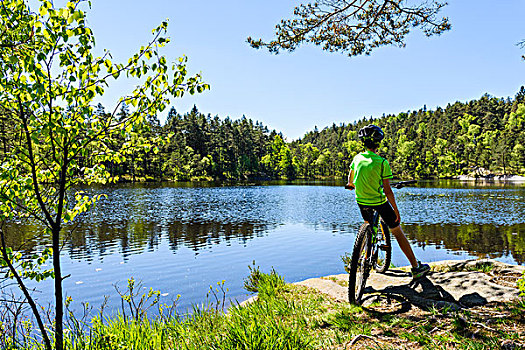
[{"x": 385, "y": 210}]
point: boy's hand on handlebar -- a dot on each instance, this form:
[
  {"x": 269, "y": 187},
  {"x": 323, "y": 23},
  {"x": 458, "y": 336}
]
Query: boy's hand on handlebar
[{"x": 349, "y": 186}]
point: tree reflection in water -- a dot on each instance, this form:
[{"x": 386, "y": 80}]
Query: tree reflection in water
[
  {"x": 128, "y": 237},
  {"x": 87, "y": 242},
  {"x": 480, "y": 240},
  {"x": 137, "y": 218}
]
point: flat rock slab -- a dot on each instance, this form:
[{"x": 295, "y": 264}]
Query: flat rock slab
[
  {"x": 451, "y": 284},
  {"x": 328, "y": 287}
]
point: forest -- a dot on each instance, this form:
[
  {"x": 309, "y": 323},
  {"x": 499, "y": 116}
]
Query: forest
[{"x": 479, "y": 137}]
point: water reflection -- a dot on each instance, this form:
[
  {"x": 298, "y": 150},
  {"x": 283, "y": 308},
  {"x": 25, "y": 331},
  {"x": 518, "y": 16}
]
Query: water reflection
[
  {"x": 127, "y": 238},
  {"x": 201, "y": 235},
  {"x": 480, "y": 240},
  {"x": 139, "y": 218},
  {"x": 86, "y": 241}
]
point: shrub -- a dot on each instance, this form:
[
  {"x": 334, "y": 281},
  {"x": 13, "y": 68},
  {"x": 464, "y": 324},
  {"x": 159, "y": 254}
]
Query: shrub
[
  {"x": 521, "y": 285},
  {"x": 263, "y": 283}
]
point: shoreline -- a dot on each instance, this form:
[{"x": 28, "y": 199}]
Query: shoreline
[
  {"x": 485, "y": 276},
  {"x": 492, "y": 178}
]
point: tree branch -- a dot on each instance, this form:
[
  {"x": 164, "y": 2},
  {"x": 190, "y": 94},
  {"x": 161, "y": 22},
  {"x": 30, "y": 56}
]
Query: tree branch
[
  {"x": 24, "y": 289},
  {"x": 29, "y": 143}
]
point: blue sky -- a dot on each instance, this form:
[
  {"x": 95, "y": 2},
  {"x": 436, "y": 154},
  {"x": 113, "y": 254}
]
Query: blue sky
[{"x": 293, "y": 92}]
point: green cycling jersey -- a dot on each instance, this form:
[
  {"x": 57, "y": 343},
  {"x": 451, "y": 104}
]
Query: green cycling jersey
[{"x": 370, "y": 170}]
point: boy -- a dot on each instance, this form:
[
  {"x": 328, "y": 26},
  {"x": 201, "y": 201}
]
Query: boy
[{"x": 370, "y": 176}]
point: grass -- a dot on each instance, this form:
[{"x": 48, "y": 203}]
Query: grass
[
  {"x": 484, "y": 267},
  {"x": 294, "y": 317}
]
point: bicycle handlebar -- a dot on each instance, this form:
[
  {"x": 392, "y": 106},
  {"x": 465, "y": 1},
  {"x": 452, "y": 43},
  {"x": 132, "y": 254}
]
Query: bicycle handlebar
[
  {"x": 402, "y": 184},
  {"x": 397, "y": 185}
]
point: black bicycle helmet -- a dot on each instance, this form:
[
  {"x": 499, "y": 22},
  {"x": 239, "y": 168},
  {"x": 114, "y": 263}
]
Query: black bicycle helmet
[{"x": 371, "y": 135}]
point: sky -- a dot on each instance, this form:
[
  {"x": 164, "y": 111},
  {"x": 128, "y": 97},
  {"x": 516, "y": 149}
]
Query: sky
[{"x": 294, "y": 92}]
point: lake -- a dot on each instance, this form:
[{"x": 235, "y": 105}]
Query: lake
[{"x": 183, "y": 238}]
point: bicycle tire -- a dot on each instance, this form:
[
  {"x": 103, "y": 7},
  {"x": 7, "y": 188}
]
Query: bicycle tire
[
  {"x": 383, "y": 249},
  {"x": 359, "y": 265}
]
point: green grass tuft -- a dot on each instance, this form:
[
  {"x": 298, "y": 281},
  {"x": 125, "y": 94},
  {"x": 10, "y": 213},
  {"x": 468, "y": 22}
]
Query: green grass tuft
[{"x": 266, "y": 285}]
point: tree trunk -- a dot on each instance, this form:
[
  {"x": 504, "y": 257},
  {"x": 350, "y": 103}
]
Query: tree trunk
[
  {"x": 504, "y": 165},
  {"x": 59, "y": 305},
  {"x": 55, "y": 231},
  {"x": 4, "y": 138},
  {"x": 23, "y": 288}
]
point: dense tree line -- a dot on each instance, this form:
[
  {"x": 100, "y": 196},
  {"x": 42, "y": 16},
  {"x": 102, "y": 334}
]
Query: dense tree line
[
  {"x": 192, "y": 146},
  {"x": 477, "y": 137}
]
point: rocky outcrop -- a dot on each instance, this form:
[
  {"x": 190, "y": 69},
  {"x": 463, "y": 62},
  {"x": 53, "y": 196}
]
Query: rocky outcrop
[{"x": 450, "y": 284}]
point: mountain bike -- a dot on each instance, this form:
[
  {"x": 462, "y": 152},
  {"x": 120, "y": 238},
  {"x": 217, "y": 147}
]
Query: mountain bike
[{"x": 372, "y": 249}]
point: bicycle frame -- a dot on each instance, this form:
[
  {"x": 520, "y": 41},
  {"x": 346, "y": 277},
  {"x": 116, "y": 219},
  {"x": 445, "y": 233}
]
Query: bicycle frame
[{"x": 375, "y": 226}]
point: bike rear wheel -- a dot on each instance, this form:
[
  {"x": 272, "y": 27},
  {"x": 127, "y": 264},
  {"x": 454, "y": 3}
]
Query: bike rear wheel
[
  {"x": 360, "y": 264},
  {"x": 383, "y": 249}
]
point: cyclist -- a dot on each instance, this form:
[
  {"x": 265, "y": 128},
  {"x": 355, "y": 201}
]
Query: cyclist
[{"x": 370, "y": 176}]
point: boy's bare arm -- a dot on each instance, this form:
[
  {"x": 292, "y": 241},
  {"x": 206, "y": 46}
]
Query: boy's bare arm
[{"x": 350, "y": 185}]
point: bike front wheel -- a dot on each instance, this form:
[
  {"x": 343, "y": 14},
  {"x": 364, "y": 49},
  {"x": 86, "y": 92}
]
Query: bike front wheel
[
  {"x": 383, "y": 249},
  {"x": 360, "y": 264}
]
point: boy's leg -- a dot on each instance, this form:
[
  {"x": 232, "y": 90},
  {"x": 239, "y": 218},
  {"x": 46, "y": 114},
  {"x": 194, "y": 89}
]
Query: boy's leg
[
  {"x": 389, "y": 216},
  {"x": 404, "y": 245},
  {"x": 418, "y": 270}
]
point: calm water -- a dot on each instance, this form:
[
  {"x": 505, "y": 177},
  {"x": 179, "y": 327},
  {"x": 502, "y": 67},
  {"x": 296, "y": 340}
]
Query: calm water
[{"x": 182, "y": 239}]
